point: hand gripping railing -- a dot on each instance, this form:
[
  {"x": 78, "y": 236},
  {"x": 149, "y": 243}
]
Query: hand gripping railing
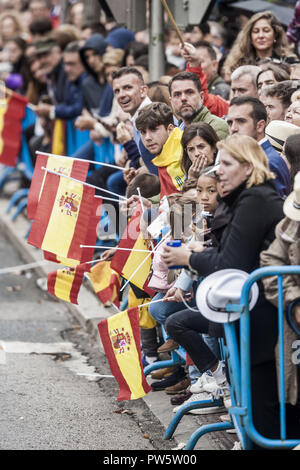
[{"x": 244, "y": 411}]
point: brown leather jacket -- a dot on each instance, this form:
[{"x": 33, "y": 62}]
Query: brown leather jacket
[{"x": 284, "y": 251}]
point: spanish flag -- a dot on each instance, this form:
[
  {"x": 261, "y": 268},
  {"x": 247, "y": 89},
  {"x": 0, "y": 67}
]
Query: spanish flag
[
  {"x": 59, "y": 138},
  {"x": 65, "y": 165},
  {"x": 87, "y": 253},
  {"x": 168, "y": 162},
  {"x": 146, "y": 321},
  {"x": 65, "y": 283},
  {"x": 127, "y": 262},
  {"x": 12, "y": 111},
  {"x": 106, "y": 282},
  {"x": 62, "y": 217},
  {"x": 120, "y": 336}
]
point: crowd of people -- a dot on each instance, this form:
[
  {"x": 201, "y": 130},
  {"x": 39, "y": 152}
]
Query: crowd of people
[{"x": 219, "y": 134}]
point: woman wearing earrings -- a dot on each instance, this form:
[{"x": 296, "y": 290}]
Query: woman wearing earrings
[{"x": 262, "y": 37}]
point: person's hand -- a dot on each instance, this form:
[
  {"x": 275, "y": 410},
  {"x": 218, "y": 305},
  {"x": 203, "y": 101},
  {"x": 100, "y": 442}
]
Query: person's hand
[
  {"x": 197, "y": 166},
  {"x": 196, "y": 246},
  {"x": 108, "y": 254},
  {"x": 123, "y": 134},
  {"x": 129, "y": 174},
  {"x": 43, "y": 109},
  {"x": 85, "y": 122},
  {"x": 123, "y": 159},
  {"x": 176, "y": 256},
  {"x": 95, "y": 137},
  {"x": 133, "y": 201},
  {"x": 296, "y": 312},
  {"x": 169, "y": 295},
  {"x": 190, "y": 54}
]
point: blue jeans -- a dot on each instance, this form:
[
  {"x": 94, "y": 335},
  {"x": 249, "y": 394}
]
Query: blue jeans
[{"x": 162, "y": 310}]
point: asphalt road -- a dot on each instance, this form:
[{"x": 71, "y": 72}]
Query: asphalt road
[{"x": 45, "y": 404}]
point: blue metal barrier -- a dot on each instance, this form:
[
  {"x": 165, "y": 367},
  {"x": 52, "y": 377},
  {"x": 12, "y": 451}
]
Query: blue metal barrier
[
  {"x": 239, "y": 372},
  {"x": 245, "y": 409}
]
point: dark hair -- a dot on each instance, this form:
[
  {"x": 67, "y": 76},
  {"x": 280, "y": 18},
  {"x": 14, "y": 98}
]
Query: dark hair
[
  {"x": 200, "y": 129},
  {"x": 95, "y": 26},
  {"x": 291, "y": 150},
  {"x": 143, "y": 61},
  {"x": 153, "y": 115},
  {"x": 206, "y": 45},
  {"x": 159, "y": 92},
  {"x": 259, "y": 111},
  {"x": 279, "y": 73},
  {"x": 41, "y": 26},
  {"x": 126, "y": 71},
  {"x": 204, "y": 28},
  {"x": 136, "y": 49},
  {"x": 73, "y": 46},
  {"x": 282, "y": 90},
  {"x": 185, "y": 76},
  {"x": 149, "y": 185}
]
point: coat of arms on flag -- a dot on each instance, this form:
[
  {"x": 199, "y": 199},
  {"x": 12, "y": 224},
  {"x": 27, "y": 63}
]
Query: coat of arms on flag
[
  {"x": 63, "y": 216},
  {"x": 120, "y": 335},
  {"x": 64, "y": 165}
]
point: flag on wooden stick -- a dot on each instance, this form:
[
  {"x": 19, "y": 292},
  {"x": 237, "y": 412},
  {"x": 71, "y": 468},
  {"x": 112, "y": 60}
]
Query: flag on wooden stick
[
  {"x": 62, "y": 217},
  {"x": 77, "y": 169},
  {"x": 12, "y": 111},
  {"x": 120, "y": 336}
]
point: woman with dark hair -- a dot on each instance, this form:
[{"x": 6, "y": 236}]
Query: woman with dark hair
[
  {"x": 291, "y": 155},
  {"x": 199, "y": 142},
  {"x": 262, "y": 36},
  {"x": 20, "y": 75}
]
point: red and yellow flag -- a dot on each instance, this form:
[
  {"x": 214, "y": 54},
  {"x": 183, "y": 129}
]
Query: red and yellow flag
[
  {"x": 65, "y": 165},
  {"x": 120, "y": 336},
  {"x": 65, "y": 283},
  {"x": 106, "y": 282},
  {"x": 87, "y": 253},
  {"x": 127, "y": 262},
  {"x": 59, "y": 140},
  {"x": 12, "y": 111},
  {"x": 62, "y": 217},
  {"x": 168, "y": 162}
]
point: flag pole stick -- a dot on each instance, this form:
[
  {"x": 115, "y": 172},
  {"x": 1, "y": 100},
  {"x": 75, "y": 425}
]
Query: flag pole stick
[
  {"x": 81, "y": 160},
  {"x": 109, "y": 199},
  {"x": 153, "y": 302},
  {"x": 82, "y": 182},
  {"x": 173, "y": 22},
  {"x": 143, "y": 209},
  {"x": 116, "y": 248},
  {"x": 141, "y": 264}
]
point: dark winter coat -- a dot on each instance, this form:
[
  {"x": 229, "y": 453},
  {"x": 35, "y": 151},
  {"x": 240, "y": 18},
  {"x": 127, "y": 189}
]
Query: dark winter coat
[{"x": 251, "y": 220}]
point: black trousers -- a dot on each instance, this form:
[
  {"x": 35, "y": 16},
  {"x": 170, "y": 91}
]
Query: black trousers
[{"x": 184, "y": 327}]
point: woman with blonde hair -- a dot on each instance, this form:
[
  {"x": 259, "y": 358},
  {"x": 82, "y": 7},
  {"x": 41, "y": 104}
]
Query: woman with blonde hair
[
  {"x": 253, "y": 208},
  {"x": 262, "y": 37}
]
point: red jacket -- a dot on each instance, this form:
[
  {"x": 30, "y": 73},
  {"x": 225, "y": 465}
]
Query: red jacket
[{"x": 215, "y": 103}]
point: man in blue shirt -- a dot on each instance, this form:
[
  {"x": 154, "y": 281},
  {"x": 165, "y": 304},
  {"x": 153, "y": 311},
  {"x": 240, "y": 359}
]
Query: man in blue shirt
[{"x": 248, "y": 116}]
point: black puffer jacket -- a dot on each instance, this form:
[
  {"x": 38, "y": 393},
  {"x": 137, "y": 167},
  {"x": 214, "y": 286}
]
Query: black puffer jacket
[{"x": 251, "y": 220}]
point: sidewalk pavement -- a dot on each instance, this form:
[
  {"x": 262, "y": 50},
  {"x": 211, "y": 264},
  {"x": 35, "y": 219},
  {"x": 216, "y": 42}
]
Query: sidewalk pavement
[{"x": 89, "y": 312}]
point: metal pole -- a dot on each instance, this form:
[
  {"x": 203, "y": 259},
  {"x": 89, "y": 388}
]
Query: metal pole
[{"x": 156, "y": 44}]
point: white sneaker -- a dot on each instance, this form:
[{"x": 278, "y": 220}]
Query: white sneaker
[
  {"x": 200, "y": 411},
  {"x": 222, "y": 391},
  {"x": 237, "y": 446},
  {"x": 205, "y": 383}
]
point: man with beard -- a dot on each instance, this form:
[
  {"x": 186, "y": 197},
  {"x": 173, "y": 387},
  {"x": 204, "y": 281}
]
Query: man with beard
[{"x": 187, "y": 103}]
